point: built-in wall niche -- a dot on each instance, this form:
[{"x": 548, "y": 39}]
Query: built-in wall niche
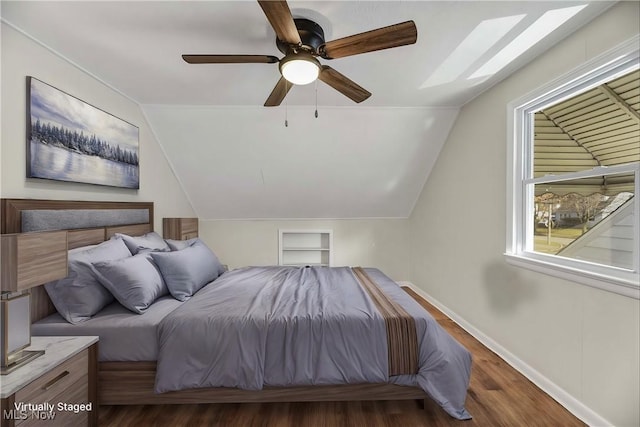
[{"x": 305, "y": 247}]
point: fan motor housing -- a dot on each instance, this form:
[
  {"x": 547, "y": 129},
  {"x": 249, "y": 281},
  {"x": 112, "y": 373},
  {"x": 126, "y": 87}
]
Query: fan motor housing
[{"x": 311, "y": 35}]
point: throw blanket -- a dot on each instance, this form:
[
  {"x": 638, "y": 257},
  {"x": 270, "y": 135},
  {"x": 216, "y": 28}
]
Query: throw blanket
[
  {"x": 288, "y": 326},
  {"x": 402, "y": 341}
]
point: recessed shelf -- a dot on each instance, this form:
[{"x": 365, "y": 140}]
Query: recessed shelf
[{"x": 305, "y": 247}]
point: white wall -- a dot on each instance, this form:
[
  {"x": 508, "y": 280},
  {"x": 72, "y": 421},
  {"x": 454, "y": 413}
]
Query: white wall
[
  {"x": 379, "y": 243},
  {"x": 584, "y": 340},
  {"x": 23, "y": 57}
]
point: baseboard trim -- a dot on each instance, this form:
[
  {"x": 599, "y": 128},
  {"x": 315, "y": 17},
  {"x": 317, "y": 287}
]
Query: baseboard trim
[{"x": 565, "y": 399}]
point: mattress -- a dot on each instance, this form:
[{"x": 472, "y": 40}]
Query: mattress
[{"x": 124, "y": 336}]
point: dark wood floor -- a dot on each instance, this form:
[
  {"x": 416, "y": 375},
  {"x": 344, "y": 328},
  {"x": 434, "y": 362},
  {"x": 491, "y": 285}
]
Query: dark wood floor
[{"x": 498, "y": 396}]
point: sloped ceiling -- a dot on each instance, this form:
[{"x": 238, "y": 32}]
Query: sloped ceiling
[
  {"x": 236, "y": 159},
  {"x": 348, "y": 163}
]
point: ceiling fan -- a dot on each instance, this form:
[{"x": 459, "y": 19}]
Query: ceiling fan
[{"x": 302, "y": 42}]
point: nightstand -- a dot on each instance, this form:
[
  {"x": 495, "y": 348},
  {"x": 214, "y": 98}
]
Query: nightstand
[
  {"x": 179, "y": 228},
  {"x": 58, "y": 388}
]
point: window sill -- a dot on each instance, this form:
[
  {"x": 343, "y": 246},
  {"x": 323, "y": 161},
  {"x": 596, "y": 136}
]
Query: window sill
[{"x": 629, "y": 288}]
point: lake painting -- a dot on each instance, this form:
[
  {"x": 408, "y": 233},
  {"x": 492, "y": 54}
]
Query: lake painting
[{"x": 70, "y": 140}]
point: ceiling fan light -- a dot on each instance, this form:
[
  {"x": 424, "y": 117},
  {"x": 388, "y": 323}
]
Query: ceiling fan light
[{"x": 300, "y": 69}]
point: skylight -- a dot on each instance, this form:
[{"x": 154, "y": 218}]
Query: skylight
[
  {"x": 480, "y": 40},
  {"x": 545, "y": 25}
]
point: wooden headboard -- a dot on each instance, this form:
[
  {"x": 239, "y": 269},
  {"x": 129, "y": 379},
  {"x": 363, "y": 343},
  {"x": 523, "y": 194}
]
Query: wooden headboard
[{"x": 12, "y": 212}]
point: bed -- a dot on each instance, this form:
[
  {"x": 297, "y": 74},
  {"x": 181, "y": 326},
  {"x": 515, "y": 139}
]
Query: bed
[{"x": 132, "y": 378}]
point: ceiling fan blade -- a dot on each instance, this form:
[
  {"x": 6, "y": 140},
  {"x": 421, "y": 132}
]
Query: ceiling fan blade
[
  {"x": 230, "y": 59},
  {"x": 278, "y": 93},
  {"x": 383, "y": 38},
  {"x": 343, "y": 84},
  {"x": 280, "y": 18}
]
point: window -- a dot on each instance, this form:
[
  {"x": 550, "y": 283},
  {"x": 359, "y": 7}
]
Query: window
[{"x": 574, "y": 175}]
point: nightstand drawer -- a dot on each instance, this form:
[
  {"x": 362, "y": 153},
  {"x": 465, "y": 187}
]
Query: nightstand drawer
[
  {"x": 56, "y": 385},
  {"x": 76, "y": 393}
]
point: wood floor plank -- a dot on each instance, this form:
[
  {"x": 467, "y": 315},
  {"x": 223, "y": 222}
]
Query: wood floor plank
[{"x": 498, "y": 396}]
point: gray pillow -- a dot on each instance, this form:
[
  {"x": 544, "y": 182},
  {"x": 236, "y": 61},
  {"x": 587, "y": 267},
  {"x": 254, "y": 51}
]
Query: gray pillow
[
  {"x": 188, "y": 270},
  {"x": 135, "y": 281},
  {"x": 79, "y": 296},
  {"x": 178, "y": 245},
  {"x": 150, "y": 240}
]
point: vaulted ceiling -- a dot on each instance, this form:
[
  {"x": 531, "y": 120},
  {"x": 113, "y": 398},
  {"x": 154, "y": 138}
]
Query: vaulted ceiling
[{"x": 235, "y": 158}]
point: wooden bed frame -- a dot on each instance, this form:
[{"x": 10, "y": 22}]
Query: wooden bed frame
[{"x": 132, "y": 383}]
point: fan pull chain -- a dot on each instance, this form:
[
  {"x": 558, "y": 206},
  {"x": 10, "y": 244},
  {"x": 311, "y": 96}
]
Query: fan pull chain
[
  {"x": 286, "y": 107},
  {"x": 316, "y": 99}
]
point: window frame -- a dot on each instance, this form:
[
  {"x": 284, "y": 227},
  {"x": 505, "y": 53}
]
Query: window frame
[{"x": 614, "y": 63}]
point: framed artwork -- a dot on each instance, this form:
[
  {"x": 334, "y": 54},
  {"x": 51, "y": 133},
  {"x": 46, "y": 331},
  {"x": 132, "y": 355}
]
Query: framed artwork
[{"x": 70, "y": 140}]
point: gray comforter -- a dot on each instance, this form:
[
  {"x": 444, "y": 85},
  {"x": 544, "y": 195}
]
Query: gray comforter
[{"x": 286, "y": 326}]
